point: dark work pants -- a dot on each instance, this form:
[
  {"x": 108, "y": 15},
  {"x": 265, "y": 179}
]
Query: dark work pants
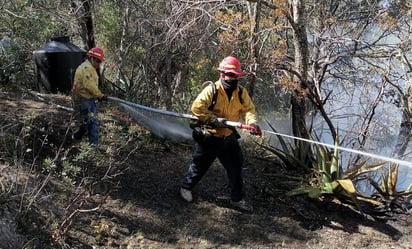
[
  {"x": 88, "y": 122},
  {"x": 229, "y": 153}
]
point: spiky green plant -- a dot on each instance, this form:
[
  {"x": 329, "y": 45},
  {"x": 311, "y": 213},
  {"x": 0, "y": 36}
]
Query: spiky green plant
[
  {"x": 328, "y": 178},
  {"x": 293, "y": 157},
  {"x": 386, "y": 194}
]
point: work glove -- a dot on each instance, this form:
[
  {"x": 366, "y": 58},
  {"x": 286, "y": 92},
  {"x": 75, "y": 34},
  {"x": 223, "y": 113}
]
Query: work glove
[
  {"x": 256, "y": 131},
  {"x": 102, "y": 98},
  {"x": 218, "y": 123},
  {"x": 198, "y": 135}
]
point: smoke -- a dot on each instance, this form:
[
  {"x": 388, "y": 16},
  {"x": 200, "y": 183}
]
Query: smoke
[{"x": 167, "y": 127}]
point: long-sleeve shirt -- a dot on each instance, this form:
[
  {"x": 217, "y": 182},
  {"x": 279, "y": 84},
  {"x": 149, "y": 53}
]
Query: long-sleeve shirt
[
  {"x": 86, "y": 81},
  {"x": 232, "y": 110}
]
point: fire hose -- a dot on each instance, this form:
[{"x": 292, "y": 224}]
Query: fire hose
[
  {"x": 256, "y": 131},
  {"x": 238, "y": 125}
]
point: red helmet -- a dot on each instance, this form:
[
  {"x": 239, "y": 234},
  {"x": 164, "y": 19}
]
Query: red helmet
[
  {"x": 96, "y": 53},
  {"x": 230, "y": 64}
]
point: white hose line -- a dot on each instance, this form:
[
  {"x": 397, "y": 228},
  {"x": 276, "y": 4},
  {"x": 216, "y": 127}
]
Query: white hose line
[{"x": 384, "y": 158}]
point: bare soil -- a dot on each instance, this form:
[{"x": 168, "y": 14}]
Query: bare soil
[{"x": 126, "y": 195}]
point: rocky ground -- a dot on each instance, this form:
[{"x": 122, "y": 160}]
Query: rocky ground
[{"x": 125, "y": 194}]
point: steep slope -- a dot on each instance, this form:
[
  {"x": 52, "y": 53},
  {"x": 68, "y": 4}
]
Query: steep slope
[{"x": 56, "y": 193}]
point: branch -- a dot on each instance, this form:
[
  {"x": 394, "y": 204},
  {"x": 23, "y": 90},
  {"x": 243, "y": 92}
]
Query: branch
[
  {"x": 407, "y": 62},
  {"x": 15, "y": 15}
]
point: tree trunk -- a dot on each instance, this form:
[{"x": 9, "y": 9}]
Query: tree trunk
[
  {"x": 254, "y": 14},
  {"x": 85, "y": 20},
  {"x": 121, "y": 49},
  {"x": 168, "y": 80},
  {"x": 403, "y": 137},
  {"x": 406, "y": 125},
  {"x": 301, "y": 66}
]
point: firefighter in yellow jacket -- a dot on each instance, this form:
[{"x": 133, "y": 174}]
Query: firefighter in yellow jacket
[
  {"x": 85, "y": 93},
  {"x": 232, "y": 103}
]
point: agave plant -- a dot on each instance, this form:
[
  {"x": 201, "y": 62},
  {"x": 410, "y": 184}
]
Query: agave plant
[
  {"x": 328, "y": 178},
  {"x": 293, "y": 157},
  {"x": 387, "y": 197}
]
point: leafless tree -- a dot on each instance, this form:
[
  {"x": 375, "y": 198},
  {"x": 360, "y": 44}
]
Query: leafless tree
[{"x": 83, "y": 13}]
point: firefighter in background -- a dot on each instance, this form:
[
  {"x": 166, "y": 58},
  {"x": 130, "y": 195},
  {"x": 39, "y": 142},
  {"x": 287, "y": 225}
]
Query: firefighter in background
[
  {"x": 217, "y": 140},
  {"x": 11, "y": 59},
  {"x": 85, "y": 93}
]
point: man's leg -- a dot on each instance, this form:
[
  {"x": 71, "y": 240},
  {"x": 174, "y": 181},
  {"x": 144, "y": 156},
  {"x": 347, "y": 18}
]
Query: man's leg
[
  {"x": 231, "y": 158},
  {"x": 93, "y": 127},
  {"x": 81, "y": 117},
  {"x": 204, "y": 154}
]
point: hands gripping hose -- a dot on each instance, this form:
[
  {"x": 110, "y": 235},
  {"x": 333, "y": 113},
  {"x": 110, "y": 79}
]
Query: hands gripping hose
[{"x": 252, "y": 128}]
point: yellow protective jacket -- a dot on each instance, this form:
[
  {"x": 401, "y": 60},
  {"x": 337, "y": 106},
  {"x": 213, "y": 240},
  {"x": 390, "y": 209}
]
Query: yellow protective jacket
[
  {"x": 86, "y": 81},
  {"x": 232, "y": 110}
]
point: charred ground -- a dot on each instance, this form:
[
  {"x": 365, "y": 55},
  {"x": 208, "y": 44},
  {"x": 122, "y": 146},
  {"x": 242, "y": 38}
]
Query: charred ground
[{"x": 125, "y": 194}]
